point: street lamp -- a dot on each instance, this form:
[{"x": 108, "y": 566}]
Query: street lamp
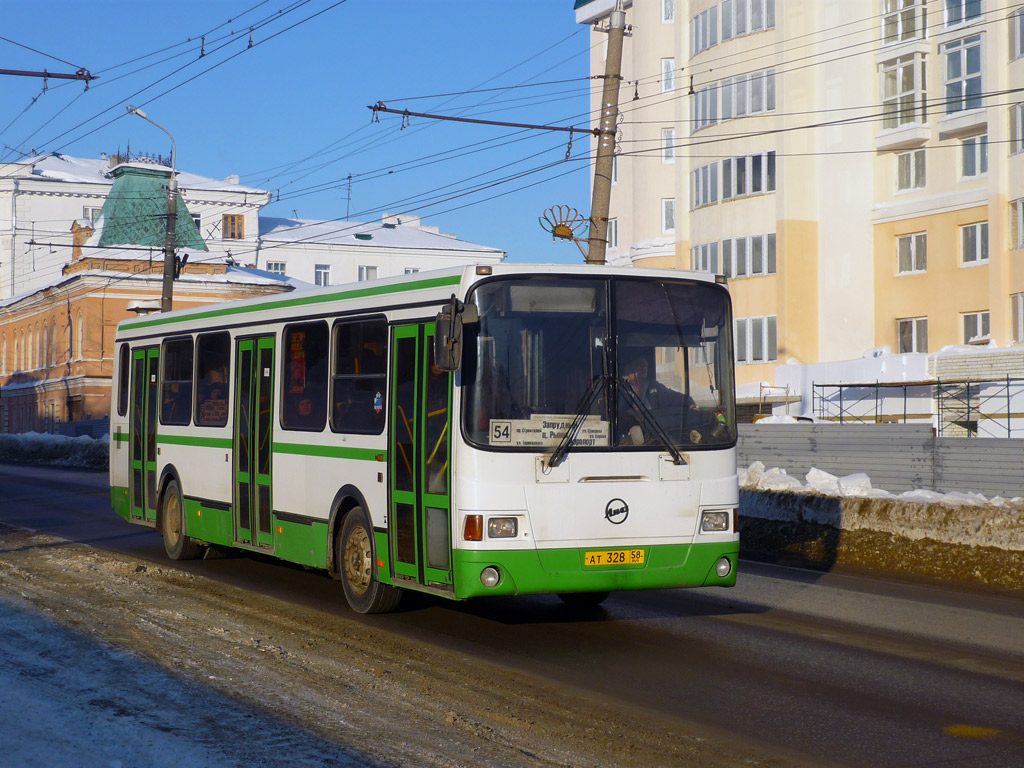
[{"x": 172, "y": 215}]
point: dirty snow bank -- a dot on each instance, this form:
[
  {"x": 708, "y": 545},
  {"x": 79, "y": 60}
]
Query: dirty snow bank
[
  {"x": 54, "y": 450},
  {"x": 850, "y": 503}
]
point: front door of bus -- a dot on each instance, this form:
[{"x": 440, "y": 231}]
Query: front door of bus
[
  {"x": 419, "y": 453},
  {"x": 144, "y": 403},
  {"x": 253, "y": 431}
]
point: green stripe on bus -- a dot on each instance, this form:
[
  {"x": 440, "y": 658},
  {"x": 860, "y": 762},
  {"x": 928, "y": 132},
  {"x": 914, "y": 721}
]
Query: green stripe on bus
[
  {"x": 357, "y": 293},
  {"x": 331, "y": 451},
  {"x": 120, "y": 437},
  {"x": 223, "y": 443}
]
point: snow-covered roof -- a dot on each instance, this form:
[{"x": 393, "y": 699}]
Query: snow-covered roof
[
  {"x": 363, "y": 235},
  {"x": 233, "y": 275},
  {"x": 94, "y": 171}
]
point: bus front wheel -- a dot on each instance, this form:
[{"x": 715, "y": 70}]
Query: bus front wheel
[
  {"x": 172, "y": 526},
  {"x": 358, "y": 569}
]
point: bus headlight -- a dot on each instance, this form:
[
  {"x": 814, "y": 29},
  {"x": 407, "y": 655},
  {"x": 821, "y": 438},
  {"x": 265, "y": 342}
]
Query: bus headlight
[
  {"x": 502, "y": 528},
  {"x": 490, "y": 576},
  {"x": 723, "y": 567},
  {"x": 714, "y": 522}
]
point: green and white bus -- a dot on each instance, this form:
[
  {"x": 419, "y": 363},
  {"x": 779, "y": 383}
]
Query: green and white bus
[{"x": 488, "y": 430}]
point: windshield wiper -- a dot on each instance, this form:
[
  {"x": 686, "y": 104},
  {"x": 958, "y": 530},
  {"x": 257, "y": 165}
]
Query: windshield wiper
[
  {"x": 634, "y": 398},
  {"x": 583, "y": 409}
]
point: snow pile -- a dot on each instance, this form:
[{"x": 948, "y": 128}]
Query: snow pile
[
  {"x": 851, "y": 503},
  {"x": 55, "y": 450},
  {"x": 757, "y": 477}
]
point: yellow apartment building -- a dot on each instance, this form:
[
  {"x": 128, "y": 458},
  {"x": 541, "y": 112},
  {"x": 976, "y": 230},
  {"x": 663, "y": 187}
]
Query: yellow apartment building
[{"x": 855, "y": 167}]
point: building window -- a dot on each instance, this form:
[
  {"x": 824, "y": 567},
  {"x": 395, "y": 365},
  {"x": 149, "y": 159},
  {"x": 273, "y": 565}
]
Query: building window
[
  {"x": 322, "y": 274},
  {"x": 705, "y": 185},
  {"x": 668, "y": 11},
  {"x": 615, "y": 169},
  {"x": 705, "y": 107},
  {"x": 1017, "y": 33},
  {"x": 197, "y": 219},
  {"x": 899, "y": 20},
  {"x": 233, "y": 227},
  {"x": 411, "y": 270},
  {"x": 748, "y": 94},
  {"x": 1017, "y": 224},
  {"x": 704, "y": 28},
  {"x": 748, "y": 175},
  {"x": 903, "y": 89},
  {"x": 613, "y": 233},
  {"x": 976, "y": 327},
  {"x": 704, "y": 257},
  {"x": 749, "y": 256},
  {"x": 974, "y": 156},
  {"x": 961, "y": 11},
  {"x": 91, "y": 213},
  {"x": 81, "y": 337},
  {"x": 668, "y": 145},
  {"x": 963, "y": 74},
  {"x": 912, "y": 253},
  {"x": 367, "y": 273},
  {"x": 668, "y": 216},
  {"x": 668, "y": 75},
  {"x": 912, "y": 335},
  {"x": 1017, "y": 128},
  {"x": 277, "y": 267},
  {"x": 1017, "y": 317},
  {"x": 742, "y": 17},
  {"x": 756, "y": 340},
  {"x": 910, "y": 173},
  {"x": 974, "y": 244}
]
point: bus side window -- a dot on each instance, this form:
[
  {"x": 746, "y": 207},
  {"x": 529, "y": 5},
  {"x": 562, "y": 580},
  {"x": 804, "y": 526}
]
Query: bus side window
[
  {"x": 124, "y": 366},
  {"x": 213, "y": 355},
  {"x": 176, "y": 392},
  {"x": 304, "y": 392},
  {"x": 359, "y": 377}
]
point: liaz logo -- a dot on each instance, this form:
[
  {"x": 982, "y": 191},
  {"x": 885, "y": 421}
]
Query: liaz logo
[{"x": 616, "y": 511}]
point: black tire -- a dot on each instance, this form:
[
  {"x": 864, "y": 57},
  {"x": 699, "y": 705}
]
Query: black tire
[
  {"x": 357, "y": 567},
  {"x": 583, "y": 599},
  {"x": 172, "y": 526}
]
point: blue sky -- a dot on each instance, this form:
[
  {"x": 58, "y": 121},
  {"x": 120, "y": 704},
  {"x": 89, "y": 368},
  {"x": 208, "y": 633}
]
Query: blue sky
[{"x": 290, "y": 113}]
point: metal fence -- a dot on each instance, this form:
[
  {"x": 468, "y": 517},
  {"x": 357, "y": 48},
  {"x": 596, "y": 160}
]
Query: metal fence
[
  {"x": 897, "y": 457},
  {"x": 956, "y": 408}
]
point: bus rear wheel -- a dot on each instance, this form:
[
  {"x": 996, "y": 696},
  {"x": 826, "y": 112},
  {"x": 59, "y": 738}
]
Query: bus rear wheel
[
  {"x": 172, "y": 526},
  {"x": 357, "y": 567}
]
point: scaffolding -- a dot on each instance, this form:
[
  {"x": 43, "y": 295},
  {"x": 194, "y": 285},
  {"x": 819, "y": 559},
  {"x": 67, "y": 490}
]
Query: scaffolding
[{"x": 955, "y": 408}]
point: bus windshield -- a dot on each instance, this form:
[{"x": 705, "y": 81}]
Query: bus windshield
[{"x": 639, "y": 363}]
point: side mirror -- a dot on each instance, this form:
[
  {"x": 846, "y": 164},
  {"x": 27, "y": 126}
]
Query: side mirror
[{"x": 448, "y": 334}]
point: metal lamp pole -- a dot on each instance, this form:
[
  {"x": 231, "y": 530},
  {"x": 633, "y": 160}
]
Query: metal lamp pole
[{"x": 172, "y": 216}]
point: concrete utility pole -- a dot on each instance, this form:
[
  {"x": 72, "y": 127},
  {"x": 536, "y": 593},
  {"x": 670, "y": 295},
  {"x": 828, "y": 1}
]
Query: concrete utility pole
[
  {"x": 167, "y": 292},
  {"x": 601, "y": 200}
]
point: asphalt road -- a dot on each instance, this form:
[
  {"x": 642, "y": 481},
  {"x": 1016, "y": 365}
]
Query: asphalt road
[{"x": 826, "y": 669}]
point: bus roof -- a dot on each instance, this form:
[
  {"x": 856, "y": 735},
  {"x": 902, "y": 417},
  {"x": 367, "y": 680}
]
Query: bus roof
[{"x": 421, "y": 287}]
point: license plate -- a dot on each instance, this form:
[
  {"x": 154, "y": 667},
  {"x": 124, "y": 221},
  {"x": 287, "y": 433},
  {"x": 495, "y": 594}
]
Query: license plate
[{"x": 606, "y": 557}]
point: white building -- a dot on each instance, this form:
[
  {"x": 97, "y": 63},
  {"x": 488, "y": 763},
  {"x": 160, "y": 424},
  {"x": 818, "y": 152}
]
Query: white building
[
  {"x": 42, "y": 197},
  {"x": 332, "y": 252}
]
